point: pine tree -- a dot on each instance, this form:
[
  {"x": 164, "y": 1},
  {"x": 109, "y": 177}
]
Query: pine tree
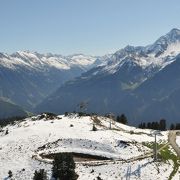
[
  {"x": 10, "y": 174},
  {"x": 156, "y": 126},
  {"x": 40, "y": 175},
  {"x": 64, "y": 167},
  {"x": 172, "y": 127},
  {"x": 162, "y": 125},
  {"x": 118, "y": 119},
  {"x": 7, "y": 132},
  {"x": 177, "y": 126},
  {"x": 122, "y": 119},
  {"x": 140, "y": 126},
  {"x": 144, "y": 125},
  {"x": 149, "y": 125}
]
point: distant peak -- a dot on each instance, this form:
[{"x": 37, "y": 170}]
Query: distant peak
[
  {"x": 174, "y": 34},
  {"x": 164, "y": 41},
  {"x": 174, "y": 30},
  {"x": 77, "y": 54},
  {"x": 24, "y": 51},
  {"x": 132, "y": 49},
  {"x": 129, "y": 47}
]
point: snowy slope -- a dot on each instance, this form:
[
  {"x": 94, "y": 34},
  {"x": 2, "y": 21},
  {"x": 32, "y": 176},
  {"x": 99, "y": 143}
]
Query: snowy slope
[
  {"x": 178, "y": 140},
  {"x": 147, "y": 61},
  {"x": 28, "y": 140},
  {"x": 117, "y": 81},
  {"x": 139, "y": 170},
  {"x": 39, "y": 61},
  {"x": 157, "y": 55}
]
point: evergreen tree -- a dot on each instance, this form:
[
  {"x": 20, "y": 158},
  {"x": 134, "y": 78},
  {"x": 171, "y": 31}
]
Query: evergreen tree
[
  {"x": 7, "y": 132},
  {"x": 10, "y": 174},
  {"x": 156, "y": 125},
  {"x": 64, "y": 167},
  {"x": 118, "y": 119},
  {"x": 172, "y": 127},
  {"x": 149, "y": 126},
  {"x": 177, "y": 126},
  {"x": 140, "y": 126},
  {"x": 40, "y": 175},
  {"x": 144, "y": 125},
  {"x": 162, "y": 125},
  {"x": 122, "y": 119}
]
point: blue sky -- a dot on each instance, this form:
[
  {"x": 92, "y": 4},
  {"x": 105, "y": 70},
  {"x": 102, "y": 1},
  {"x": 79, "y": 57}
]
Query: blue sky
[{"x": 94, "y": 27}]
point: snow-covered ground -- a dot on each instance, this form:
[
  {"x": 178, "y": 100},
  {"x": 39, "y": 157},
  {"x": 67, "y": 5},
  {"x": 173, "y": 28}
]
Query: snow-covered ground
[
  {"x": 178, "y": 140},
  {"x": 143, "y": 169},
  {"x": 28, "y": 140}
]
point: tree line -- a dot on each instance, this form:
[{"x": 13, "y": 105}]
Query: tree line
[
  {"x": 161, "y": 125},
  {"x": 175, "y": 126}
]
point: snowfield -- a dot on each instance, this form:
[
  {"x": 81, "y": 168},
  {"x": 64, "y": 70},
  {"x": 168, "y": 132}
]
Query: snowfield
[
  {"x": 178, "y": 140},
  {"x": 144, "y": 169},
  {"x": 39, "y": 62},
  {"x": 21, "y": 149}
]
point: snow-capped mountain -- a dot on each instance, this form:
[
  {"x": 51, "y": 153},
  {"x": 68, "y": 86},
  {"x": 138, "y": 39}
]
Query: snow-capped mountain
[
  {"x": 108, "y": 86},
  {"x": 158, "y": 97},
  {"x": 41, "y": 62},
  {"x": 166, "y": 45},
  {"x": 159, "y": 54},
  {"x": 28, "y": 77}
]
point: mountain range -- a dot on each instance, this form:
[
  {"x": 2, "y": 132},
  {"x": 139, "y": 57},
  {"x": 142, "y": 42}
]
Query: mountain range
[
  {"x": 143, "y": 82},
  {"x": 26, "y": 78}
]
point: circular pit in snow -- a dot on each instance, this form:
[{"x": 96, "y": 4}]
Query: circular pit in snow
[{"x": 78, "y": 157}]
